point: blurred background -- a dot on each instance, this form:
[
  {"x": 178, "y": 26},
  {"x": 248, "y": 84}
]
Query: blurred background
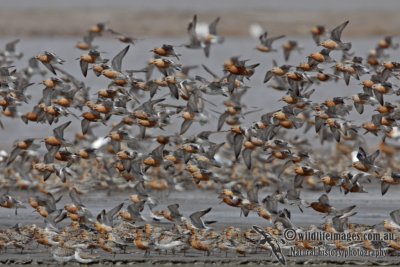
[{"x": 143, "y": 18}]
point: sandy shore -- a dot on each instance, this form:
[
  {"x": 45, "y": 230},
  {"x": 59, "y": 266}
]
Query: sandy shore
[
  {"x": 260, "y": 259},
  {"x": 172, "y": 23},
  {"x": 224, "y": 215}
]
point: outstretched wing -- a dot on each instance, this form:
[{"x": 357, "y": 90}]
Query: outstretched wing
[
  {"x": 395, "y": 215},
  {"x": 73, "y": 194},
  {"x": 59, "y": 131},
  {"x": 196, "y": 218},
  {"x": 267, "y": 238},
  {"x": 174, "y": 209},
  {"x": 337, "y": 32},
  {"x": 116, "y": 62}
]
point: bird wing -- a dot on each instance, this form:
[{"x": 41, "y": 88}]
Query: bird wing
[
  {"x": 59, "y": 131},
  {"x": 336, "y": 33},
  {"x": 196, "y": 218},
  {"x": 116, "y": 62}
]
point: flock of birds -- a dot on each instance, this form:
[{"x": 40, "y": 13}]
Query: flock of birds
[{"x": 140, "y": 156}]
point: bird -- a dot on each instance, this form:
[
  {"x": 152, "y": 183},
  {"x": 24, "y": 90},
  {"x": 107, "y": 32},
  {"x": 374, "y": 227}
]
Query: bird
[
  {"x": 335, "y": 43},
  {"x": 21, "y": 146},
  {"x": 92, "y": 57},
  {"x": 267, "y": 238},
  {"x": 364, "y": 162},
  {"x": 387, "y": 180},
  {"x": 290, "y": 46},
  {"x": 266, "y": 43},
  {"x": 317, "y": 32},
  {"x": 54, "y": 143},
  {"x": 196, "y": 219},
  {"x": 9, "y": 202},
  {"x": 115, "y": 70},
  {"x": 49, "y": 59},
  {"x": 166, "y": 50},
  {"x": 203, "y": 35}
]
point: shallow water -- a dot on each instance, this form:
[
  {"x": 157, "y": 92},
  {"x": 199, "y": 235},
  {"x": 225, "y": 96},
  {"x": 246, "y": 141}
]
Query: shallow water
[{"x": 371, "y": 208}]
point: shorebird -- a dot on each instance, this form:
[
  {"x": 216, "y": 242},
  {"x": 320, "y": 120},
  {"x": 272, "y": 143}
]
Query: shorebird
[
  {"x": 393, "y": 225},
  {"x": 197, "y": 221},
  {"x": 335, "y": 43},
  {"x": 49, "y": 59},
  {"x": 289, "y": 47},
  {"x": 9, "y": 202},
  {"x": 323, "y": 206},
  {"x": 387, "y": 180},
  {"x": 166, "y": 51},
  {"x": 364, "y": 162},
  {"x": 21, "y": 146},
  {"x": 266, "y": 42},
  {"x": 202, "y": 35},
  {"x": 92, "y": 57}
]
